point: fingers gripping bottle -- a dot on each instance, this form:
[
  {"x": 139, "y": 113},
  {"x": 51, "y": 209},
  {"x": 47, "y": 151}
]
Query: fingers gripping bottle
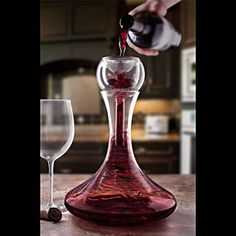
[{"x": 148, "y": 31}]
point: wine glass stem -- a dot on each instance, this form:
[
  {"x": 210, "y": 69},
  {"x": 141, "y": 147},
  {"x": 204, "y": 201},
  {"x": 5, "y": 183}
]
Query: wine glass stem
[{"x": 50, "y": 170}]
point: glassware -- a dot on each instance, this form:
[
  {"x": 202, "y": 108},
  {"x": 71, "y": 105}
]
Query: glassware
[
  {"x": 120, "y": 193},
  {"x": 56, "y": 136}
]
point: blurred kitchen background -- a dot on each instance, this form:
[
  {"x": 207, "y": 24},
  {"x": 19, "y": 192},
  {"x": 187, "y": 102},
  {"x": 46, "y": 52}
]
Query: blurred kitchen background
[{"x": 74, "y": 37}]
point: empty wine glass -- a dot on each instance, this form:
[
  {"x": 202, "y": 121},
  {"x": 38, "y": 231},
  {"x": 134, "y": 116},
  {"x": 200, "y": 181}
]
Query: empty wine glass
[{"x": 56, "y": 136}]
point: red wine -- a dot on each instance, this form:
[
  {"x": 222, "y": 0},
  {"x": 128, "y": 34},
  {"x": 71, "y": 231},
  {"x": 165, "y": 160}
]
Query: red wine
[
  {"x": 119, "y": 121},
  {"x": 120, "y": 82},
  {"x": 122, "y": 41},
  {"x": 119, "y": 193}
]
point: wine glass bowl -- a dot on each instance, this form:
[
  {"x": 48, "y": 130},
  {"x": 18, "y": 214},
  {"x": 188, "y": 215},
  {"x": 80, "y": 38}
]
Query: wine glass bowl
[
  {"x": 56, "y": 136},
  {"x": 55, "y": 141}
]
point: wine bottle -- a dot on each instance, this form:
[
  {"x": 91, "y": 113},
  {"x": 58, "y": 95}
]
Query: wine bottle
[{"x": 150, "y": 31}]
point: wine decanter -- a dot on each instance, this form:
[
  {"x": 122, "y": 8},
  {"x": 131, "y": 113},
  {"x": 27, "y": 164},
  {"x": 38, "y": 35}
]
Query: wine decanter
[{"x": 119, "y": 193}]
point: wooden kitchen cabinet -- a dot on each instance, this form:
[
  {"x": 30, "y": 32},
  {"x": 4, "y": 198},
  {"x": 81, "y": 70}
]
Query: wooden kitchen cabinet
[
  {"x": 54, "y": 20},
  {"x": 92, "y": 50},
  {"x": 93, "y": 20},
  {"x": 157, "y": 157},
  {"x": 188, "y": 22},
  {"x": 83, "y": 157},
  {"x": 87, "y": 157},
  {"x": 162, "y": 75},
  {"x": 75, "y": 20},
  {"x": 77, "y": 29}
]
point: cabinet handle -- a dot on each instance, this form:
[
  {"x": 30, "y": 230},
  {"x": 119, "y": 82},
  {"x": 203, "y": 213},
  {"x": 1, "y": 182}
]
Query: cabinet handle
[
  {"x": 88, "y": 152},
  {"x": 65, "y": 171},
  {"x": 141, "y": 151}
]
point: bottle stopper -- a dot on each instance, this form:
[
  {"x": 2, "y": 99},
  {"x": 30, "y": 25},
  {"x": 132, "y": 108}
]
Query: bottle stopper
[{"x": 52, "y": 214}]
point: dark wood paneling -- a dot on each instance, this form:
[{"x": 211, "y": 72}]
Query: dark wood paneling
[
  {"x": 54, "y": 20},
  {"x": 188, "y": 22},
  {"x": 89, "y": 18},
  {"x": 153, "y": 157}
]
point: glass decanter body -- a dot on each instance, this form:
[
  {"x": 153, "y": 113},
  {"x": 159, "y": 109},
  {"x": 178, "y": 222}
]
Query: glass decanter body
[{"x": 119, "y": 193}]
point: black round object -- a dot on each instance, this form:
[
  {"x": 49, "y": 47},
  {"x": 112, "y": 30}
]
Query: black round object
[
  {"x": 126, "y": 22},
  {"x": 54, "y": 214}
]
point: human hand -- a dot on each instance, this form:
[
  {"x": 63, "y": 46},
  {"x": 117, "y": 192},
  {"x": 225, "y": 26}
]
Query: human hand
[
  {"x": 160, "y": 8},
  {"x": 156, "y": 6}
]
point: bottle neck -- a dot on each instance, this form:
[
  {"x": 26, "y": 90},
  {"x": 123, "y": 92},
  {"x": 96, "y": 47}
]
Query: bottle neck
[{"x": 129, "y": 23}]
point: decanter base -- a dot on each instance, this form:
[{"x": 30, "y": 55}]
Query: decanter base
[
  {"x": 117, "y": 207},
  {"x": 107, "y": 218}
]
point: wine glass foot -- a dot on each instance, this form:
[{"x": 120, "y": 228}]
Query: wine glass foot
[{"x": 59, "y": 206}]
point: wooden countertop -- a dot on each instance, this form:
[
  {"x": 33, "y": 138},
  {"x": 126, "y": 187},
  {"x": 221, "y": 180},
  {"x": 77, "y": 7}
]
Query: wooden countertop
[
  {"x": 180, "y": 223},
  {"x": 137, "y": 136},
  {"x": 100, "y": 133}
]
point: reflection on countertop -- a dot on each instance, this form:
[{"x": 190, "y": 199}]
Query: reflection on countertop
[{"x": 100, "y": 133}]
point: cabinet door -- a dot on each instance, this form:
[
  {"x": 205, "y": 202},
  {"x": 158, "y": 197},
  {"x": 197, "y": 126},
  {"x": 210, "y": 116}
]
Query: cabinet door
[
  {"x": 188, "y": 22},
  {"x": 156, "y": 157},
  {"x": 93, "y": 19},
  {"x": 73, "y": 20},
  {"x": 162, "y": 76},
  {"x": 53, "y": 20},
  {"x": 82, "y": 157},
  {"x": 92, "y": 50}
]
